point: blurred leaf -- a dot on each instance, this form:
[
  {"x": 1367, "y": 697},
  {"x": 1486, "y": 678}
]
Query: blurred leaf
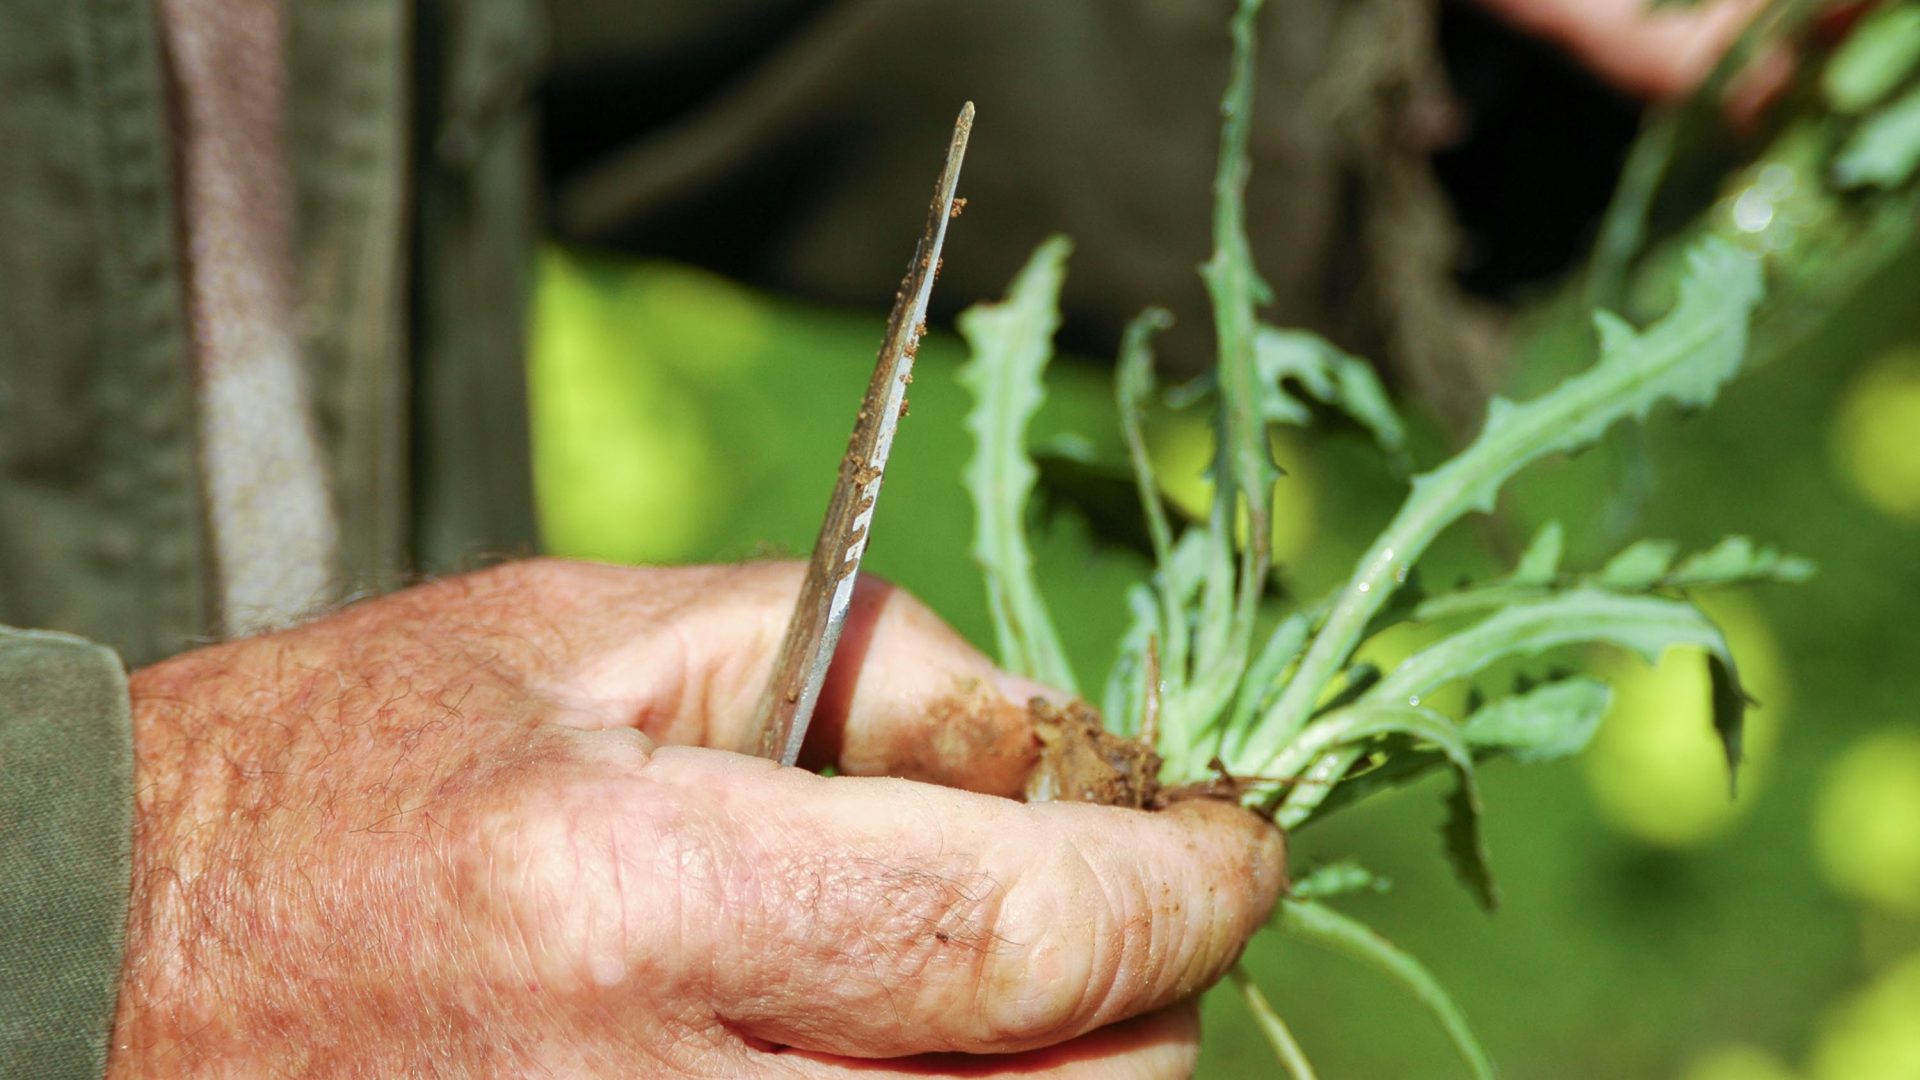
[
  {"x": 1011, "y": 342},
  {"x": 1540, "y": 563},
  {"x": 1638, "y": 568},
  {"x": 1882, "y": 50},
  {"x": 1343, "y": 934},
  {"x": 1730, "y": 704},
  {"x": 1553, "y": 721},
  {"x": 1336, "y": 879},
  {"x": 1885, "y": 149},
  {"x": 1737, "y": 559},
  {"x": 1331, "y": 377},
  {"x": 1465, "y": 846}
]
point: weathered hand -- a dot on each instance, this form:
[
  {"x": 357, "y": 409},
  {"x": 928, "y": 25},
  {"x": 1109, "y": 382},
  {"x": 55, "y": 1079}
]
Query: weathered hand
[{"x": 470, "y": 829}]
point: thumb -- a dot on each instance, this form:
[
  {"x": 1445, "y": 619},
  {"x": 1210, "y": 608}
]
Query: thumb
[{"x": 906, "y": 695}]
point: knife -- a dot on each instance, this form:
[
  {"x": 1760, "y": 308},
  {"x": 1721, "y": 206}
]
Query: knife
[{"x": 786, "y": 707}]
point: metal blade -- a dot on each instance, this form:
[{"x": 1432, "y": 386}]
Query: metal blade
[{"x": 807, "y": 650}]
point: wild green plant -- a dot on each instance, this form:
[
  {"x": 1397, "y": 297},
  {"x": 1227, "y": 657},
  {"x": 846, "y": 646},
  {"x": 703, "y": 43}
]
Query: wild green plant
[{"x": 1274, "y": 699}]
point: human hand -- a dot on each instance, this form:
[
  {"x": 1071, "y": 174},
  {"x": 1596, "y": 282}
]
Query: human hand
[
  {"x": 470, "y": 829},
  {"x": 1651, "y": 53}
]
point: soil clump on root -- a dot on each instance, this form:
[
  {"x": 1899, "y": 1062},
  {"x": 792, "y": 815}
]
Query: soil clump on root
[{"x": 1081, "y": 761}]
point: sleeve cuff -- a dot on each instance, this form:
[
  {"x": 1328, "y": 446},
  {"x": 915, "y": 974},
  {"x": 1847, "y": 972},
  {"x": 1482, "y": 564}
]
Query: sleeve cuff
[{"x": 66, "y": 844}]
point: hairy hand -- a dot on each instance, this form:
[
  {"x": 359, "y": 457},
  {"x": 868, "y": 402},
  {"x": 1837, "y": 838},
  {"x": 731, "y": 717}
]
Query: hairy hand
[{"x": 473, "y": 828}]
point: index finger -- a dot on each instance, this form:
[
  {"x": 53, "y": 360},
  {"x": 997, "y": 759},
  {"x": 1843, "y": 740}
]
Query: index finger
[{"x": 875, "y": 917}]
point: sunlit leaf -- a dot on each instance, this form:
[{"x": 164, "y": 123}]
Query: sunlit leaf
[
  {"x": 1244, "y": 469},
  {"x": 1011, "y": 343}
]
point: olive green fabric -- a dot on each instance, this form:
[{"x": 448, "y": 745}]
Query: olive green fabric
[
  {"x": 100, "y": 527},
  {"x": 477, "y": 217},
  {"x": 66, "y": 840},
  {"x": 410, "y": 132}
]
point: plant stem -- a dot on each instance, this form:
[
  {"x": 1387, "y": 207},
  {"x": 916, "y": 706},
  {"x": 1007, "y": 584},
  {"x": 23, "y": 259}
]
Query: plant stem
[{"x": 1279, "y": 1036}]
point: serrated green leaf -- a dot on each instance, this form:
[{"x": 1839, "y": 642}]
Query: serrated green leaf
[
  {"x": 1244, "y": 469},
  {"x": 1737, "y": 559},
  {"x": 1341, "y": 933},
  {"x": 1011, "y": 342},
  {"x": 1552, "y": 721},
  {"x": 1648, "y": 625},
  {"x": 1330, "y": 376},
  {"x": 1336, "y": 879},
  {"x": 1683, "y": 358},
  {"x": 1885, "y": 150},
  {"x": 1640, "y": 566},
  {"x": 1880, "y": 52},
  {"x": 1465, "y": 846},
  {"x": 1645, "y": 624}
]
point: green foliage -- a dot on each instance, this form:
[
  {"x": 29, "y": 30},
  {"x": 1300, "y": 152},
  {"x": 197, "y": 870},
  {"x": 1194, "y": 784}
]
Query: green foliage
[
  {"x": 1552, "y": 721},
  {"x": 1885, "y": 150},
  {"x": 1011, "y": 344},
  {"x": 1328, "y": 928},
  {"x": 1880, "y": 53},
  {"x": 1299, "y": 720}
]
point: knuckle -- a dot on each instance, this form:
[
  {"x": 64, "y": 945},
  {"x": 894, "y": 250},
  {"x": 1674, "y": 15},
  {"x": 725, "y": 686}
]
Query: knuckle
[
  {"x": 1059, "y": 951},
  {"x": 543, "y": 866}
]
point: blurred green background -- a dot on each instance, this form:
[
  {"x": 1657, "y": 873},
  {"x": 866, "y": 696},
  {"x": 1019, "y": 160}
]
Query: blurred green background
[{"x": 1651, "y": 927}]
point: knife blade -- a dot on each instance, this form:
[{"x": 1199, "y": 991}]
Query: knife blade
[{"x": 786, "y": 706}]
